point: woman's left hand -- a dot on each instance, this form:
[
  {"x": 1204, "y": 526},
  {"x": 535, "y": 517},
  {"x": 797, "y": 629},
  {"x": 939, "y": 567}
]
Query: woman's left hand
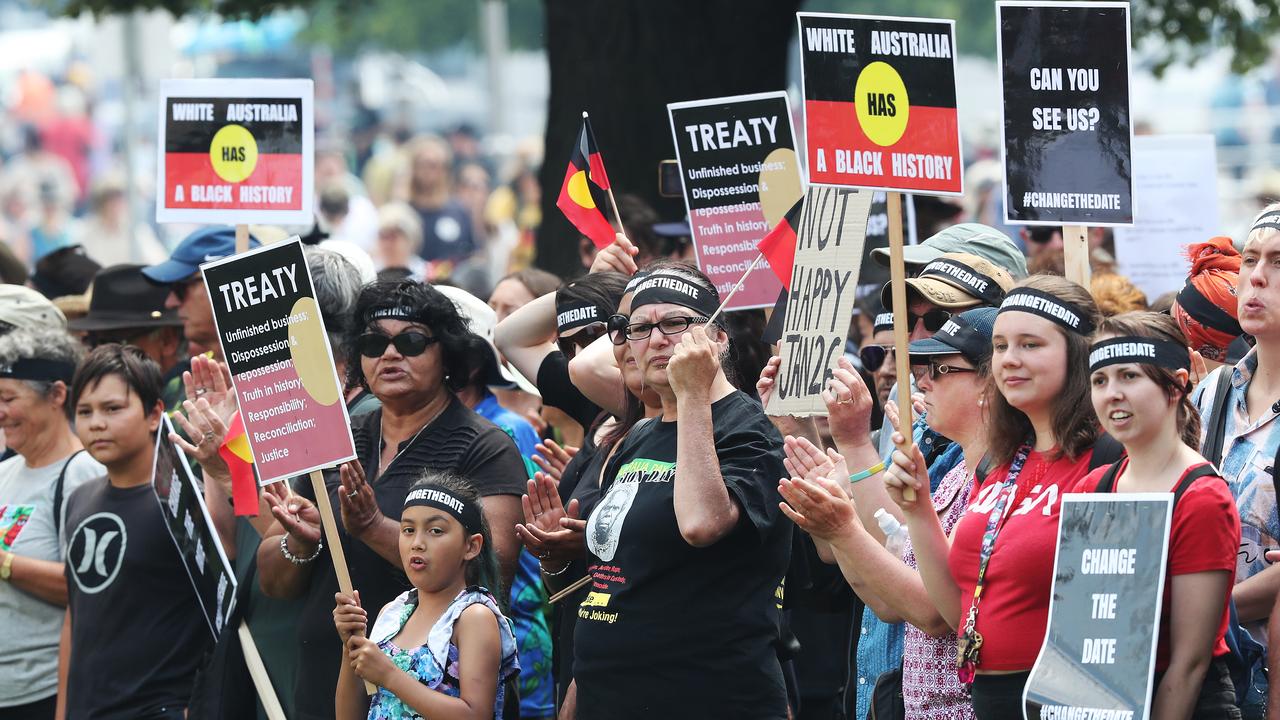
[
  {"x": 693, "y": 367},
  {"x": 210, "y": 380},
  {"x": 369, "y": 662},
  {"x": 819, "y": 506},
  {"x": 206, "y": 428},
  {"x": 360, "y": 509}
]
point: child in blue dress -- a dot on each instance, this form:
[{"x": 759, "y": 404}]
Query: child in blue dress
[{"x": 442, "y": 650}]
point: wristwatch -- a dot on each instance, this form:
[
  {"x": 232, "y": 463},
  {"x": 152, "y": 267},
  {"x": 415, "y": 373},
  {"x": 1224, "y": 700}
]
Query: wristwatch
[{"x": 6, "y": 567}]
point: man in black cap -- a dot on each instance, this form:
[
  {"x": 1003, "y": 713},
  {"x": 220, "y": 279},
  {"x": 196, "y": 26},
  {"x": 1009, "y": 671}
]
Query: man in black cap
[{"x": 125, "y": 308}]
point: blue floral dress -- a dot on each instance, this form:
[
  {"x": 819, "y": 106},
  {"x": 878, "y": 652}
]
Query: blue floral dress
[{"x": 436, "y": 663}]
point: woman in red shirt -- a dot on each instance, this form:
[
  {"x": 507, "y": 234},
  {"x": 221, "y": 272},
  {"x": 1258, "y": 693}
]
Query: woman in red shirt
[
  {"x": 990, "y": 579},
  {"x": 1139, "y": 371}
]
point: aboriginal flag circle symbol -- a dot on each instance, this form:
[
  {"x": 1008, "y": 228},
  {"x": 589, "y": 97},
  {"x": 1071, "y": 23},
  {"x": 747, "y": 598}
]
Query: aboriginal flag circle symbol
[
  {"x": 882, "y": 104},
  {"x": 579, "y": 191},
  {"x": 234, "y": 153}
]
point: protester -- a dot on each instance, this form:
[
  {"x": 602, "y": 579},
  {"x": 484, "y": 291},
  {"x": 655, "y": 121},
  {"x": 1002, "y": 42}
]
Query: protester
[
  {"x": 436, "y": 649},
  {"x": 876, "y": 355},
  {"x": 22, "y": 307},
  {"x": 1206, "y": 308},
  {"x": 1142, "y": 400},
  {"x": 49, "y": 465},
  {"x": 1116, "y": 294},
  {"x": 134, "y": 633},
  {"x": 690, "y": 511},
  {"x": 409, "y": 348},
  {"x": 447, "y": 232},
  {"x": 187, "y": 293},
  {"x": 519, "y": 289},
  {"x": 399, "y": 240},
  {"x": 1042, "y": 432}
]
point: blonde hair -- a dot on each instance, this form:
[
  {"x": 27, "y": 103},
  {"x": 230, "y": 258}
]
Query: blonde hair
[
  {"x": 403, "y": 219},
  {"x": 1116, "y": 294}
]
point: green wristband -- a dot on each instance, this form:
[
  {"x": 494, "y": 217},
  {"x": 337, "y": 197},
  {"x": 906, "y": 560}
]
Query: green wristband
[{"x": 877, "y": 468}]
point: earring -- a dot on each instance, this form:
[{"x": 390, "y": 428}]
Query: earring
[{"x": 982, "y": 402}]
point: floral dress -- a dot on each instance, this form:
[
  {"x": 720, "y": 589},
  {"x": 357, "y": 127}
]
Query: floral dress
[{"x": 436, "y": 663}]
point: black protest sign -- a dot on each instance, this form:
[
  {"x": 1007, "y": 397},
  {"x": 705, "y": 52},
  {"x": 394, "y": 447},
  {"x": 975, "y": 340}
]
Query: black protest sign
[
  {"x": 1099, "y": 650},
  {"x": 821, "y": 298},
  {"x": 188, "y": 522},
  {"x": 274, "y": 341},
  {"x": 1068, "y": 134}
]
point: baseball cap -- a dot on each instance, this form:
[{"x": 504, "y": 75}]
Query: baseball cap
[
  {"x": 967, "y": 334},
  {"x": 958, "y": 280},
  {"x": 22, "y": 307},
  {"x": 481, "y": 319},
  {"x": 202, "y": 246},
  {"x": 974, "y": 238}
]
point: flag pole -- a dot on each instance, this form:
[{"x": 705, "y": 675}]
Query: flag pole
[
  {"x": 735, "y": 289},
  {"x": 612, "y": 201}
]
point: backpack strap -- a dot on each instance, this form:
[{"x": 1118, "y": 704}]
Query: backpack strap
[
  {"x": 1216, "y": 419},
  {"x": 984, "y": 469},
  {"x": 1205, "y": 470},
  {"x": 1108, "y": 482},
  {"x": 1106, "y": 451},
  {"x": 57, "y": 493}
]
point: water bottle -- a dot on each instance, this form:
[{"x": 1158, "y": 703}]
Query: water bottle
[{"x": 895, "y": 532}]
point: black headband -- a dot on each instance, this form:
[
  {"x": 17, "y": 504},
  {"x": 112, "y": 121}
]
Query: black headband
[
  {"x": 394, "y": 312},
  {"x": 39, "y": 370},
  {"x": 1259, "y": 224},
  {"x": 1195, "y": 304},
  {"x": 972, "y": 282},
  {"x": 635, "y": 280},
  {"x": 573, "y": 315},
  {"x": 884, "y": 321},
  {"x": 1030, "y": 300},
  {"x": 665, "y": 287},
  {"x": 1145, "y": 351},
  {"x": 468, "y": 514}
]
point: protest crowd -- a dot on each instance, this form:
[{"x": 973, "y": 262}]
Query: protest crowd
[{"x": 581, "y": 481}]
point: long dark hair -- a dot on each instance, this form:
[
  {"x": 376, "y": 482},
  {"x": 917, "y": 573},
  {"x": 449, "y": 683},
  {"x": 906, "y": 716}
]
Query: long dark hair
[
  {"x": 1160, "y": 327},
  {"x": 1074, "y": 424},
  {"x": 482, "y": 569}
]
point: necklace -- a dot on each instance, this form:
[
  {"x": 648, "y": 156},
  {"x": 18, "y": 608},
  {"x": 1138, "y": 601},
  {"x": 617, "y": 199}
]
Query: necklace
[{"x": 382, "y": 441}]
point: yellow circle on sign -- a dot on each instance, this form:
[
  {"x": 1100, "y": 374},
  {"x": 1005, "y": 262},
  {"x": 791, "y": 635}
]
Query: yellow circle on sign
[
  {"x": 234, "y": 153},
  {"x": 306, "y": 349},
  {"x": 881, "y": 101}
]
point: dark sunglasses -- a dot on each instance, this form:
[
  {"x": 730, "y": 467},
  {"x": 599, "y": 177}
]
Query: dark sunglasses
[
  {"x": 933, "y": 320},
  {"x": 937, "y": 370},
  {"x": 584, "y": 337},
  {"x": 181, "y": 288},
  {"x": 666, "y": 326},
  {"x": 408, "y": 344},
  {"x": 873, "y": 356},
  {"x": 616, "y": 326}
]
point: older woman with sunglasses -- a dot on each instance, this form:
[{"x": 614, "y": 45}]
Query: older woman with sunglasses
[
  {"x": 689, "y": 514},
  {"x": 410, "y": 348}
]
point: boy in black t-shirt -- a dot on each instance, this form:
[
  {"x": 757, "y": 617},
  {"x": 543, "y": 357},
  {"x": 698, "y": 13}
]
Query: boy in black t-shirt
[{"x": 134, "y": 634}]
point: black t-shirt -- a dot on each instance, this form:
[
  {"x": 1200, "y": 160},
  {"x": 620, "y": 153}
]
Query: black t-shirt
[
  {"x": 458, "y": 441},
  {"x": 446, "y": 232},
  {"x": 137, "y": 632},
  {"x": 559, "y": 392},
  {"x": 670, "y": 630}
]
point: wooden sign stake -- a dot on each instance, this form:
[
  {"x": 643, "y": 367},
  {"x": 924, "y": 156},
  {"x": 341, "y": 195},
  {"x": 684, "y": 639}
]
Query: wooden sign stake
[
  {"x": 258, "y": 671},
  {"x": 1075, "y": 252},
  {"x": 898, "y": 289}
]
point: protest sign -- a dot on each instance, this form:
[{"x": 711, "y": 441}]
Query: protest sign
[
  {"x": 1175, "y": 183},
  {"x": 740, "y": 175},
  {"x": 235, "y": 151},
  {"x": 1067, "y": 133},
  {"x": 880, "y": 102},
  {"x": 274, "y": 341},
  {"x": 188, "y": 522},
  {"x": 1099, "y": 651},
  {"x": 820, "y": 304}
]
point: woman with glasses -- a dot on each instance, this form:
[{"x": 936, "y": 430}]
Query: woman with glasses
[
  {"x": 409, "y": 347},
  {"x": 687, "y": 546}
]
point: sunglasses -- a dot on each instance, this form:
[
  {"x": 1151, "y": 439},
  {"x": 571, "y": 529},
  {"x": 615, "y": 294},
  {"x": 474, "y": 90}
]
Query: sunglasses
[
  {"x": 874, "y": 356},
  {"x": 180, "y": 289},
  {"x": 584, "y": 337},
  {"x": 667, "y": 326},
  {"x": 937, "y": 370},
  {"x": 933, "y": 320},
  {"x": 408, "y": 344}
]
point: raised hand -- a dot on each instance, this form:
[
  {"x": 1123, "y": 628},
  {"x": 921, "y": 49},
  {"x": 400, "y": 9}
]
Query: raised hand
[
  {"x": 618, "y": 257},
  {"x": 819, "y": 506},
  {"x": 543, "y": 531},
  {"x": 553, "y": 458},
  {"x": 359, "y": 507},
  {"x": 908, "y": 472},
  {"x": 296, "y": 514},
  {"x": 849, "y": 406}
]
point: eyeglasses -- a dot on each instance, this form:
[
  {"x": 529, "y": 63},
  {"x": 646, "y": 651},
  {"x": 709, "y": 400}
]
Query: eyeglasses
[
  {"x": 874, "y": 356},
  {"x": 666, "y": 326},
  {"x": 937, "y": 370},
  {"x": 408, "y": 344},
  {"x": 181, "y": 288},
  {"x": 584, "y": 337},
  {"x": 933, "y": 320},
  {"x": 616, "y": 326}
]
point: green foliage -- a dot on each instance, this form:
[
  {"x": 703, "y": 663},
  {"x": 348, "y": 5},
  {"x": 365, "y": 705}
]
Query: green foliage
[{"x": 1180, "y": 32}]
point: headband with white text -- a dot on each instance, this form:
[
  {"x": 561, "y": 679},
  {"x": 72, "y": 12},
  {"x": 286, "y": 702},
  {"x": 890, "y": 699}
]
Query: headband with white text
[
  {"x": 1146, "y": 351},
  {"x": 468, "y": 514},
  {"x": 1047, "y": 306}
]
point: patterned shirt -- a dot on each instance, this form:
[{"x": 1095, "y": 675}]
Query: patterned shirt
[{"x": 931, "y": 690}]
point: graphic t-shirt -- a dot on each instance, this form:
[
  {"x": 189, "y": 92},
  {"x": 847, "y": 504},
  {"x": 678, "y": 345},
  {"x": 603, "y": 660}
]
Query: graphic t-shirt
[
  {"x": 1014, "y": 610},
  {"x": 579, "y": 481},
  {"x": 1204, "y": 536},
  {"x": 446, "y": 232},
  {"x": 29, "y": 659},
  {"x": 137, "y": 631},
  {"x": 458, "y": 441},
  {"x": 670, "y": 630}
]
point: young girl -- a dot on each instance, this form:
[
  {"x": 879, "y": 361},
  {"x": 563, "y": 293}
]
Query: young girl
[
  {"x": 989, "y": 580},
  {"x": 1139, "y": 368},
  {"x": 442, "y": 650}
]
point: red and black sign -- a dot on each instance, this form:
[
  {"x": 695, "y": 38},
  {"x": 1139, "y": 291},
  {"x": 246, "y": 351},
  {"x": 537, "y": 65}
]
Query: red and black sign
[{"x": 880, "y": 103}]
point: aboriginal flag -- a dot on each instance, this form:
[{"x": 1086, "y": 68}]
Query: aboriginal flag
[
  {"x": 235, "y": 452},
  {"x": 779, "y": 246},
  {"x": 581, "y": 195}
]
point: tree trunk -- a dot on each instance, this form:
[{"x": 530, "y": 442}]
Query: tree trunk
[{"x": 623, "y": 61}]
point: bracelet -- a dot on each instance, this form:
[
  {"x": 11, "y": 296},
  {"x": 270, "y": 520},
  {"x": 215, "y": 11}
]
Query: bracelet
[
  {"x": 561, "y": 571},
  {"x": 284, "y": 550},
  {"x": 878, "y": 467}
]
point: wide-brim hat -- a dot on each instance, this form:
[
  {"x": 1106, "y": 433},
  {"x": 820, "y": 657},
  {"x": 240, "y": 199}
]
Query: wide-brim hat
[
  {"x": 482, "y": 319},
  {"x": 958, "y": 280},
  {"x": 122, "y": 298}
]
